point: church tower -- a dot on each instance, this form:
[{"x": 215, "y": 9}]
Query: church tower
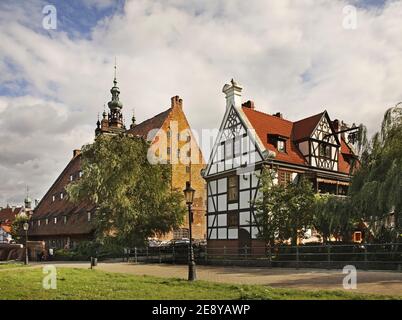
[{"x": 112, "y": 122}]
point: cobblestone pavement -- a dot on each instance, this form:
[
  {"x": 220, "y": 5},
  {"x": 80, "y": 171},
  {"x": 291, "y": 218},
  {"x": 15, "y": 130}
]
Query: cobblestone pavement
[{"x": 375, "y": 282}]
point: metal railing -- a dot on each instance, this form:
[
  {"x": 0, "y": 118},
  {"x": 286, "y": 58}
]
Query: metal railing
[{"x": 365, "y": 256}]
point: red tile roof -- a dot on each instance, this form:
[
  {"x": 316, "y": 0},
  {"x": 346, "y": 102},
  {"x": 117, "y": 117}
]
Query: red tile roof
[
  {"x": 344, "y": 165},
  {"x": 48, "y": 209},
  {"x": 144, "y": 127},
  {"x": 265, "y": 124},
  {"x": 6, "y": 228},
  {"x": 8, "y": 214},
  {"x": 304, "y": 128}
]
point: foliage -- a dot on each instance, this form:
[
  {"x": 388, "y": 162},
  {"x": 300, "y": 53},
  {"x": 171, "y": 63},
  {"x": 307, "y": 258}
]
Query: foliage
[
  {"x": 377, "y": 186},
  {"x": 17, "y": 231},
  {"x": 334, "y": 217},
  {"x": 133, "y": 197},
  {"x": 284, "y": 211}
]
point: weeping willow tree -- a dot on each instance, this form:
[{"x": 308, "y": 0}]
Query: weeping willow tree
[
  {"x": 376, "y": 189},
  {"x": 334, "y": 217}
]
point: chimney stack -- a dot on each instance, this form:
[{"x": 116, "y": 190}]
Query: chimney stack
[
  {"x": 249, "y": 104},
  {"x": 233, "y": 94},
  {"x": 176, "y": 101},
  {"x": 76, "y": 152}
]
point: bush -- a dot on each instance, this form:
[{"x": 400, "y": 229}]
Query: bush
[{"x": 69, "y": 255}]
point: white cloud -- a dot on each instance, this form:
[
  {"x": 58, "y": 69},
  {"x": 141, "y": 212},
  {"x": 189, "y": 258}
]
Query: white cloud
[{"x": 291, "y": 56}]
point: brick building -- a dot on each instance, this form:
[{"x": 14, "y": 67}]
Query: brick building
[{"x": 62, "y": 224}]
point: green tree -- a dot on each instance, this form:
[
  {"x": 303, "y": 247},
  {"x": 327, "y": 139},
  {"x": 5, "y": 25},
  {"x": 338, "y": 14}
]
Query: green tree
[
  {"x": 284, "y": 211},
  {"x": 377, "y": 186},
  {"x": 334, "y": 217},
  {"x": 17, "y": 231},
  {"x": 133, "y": 197}
]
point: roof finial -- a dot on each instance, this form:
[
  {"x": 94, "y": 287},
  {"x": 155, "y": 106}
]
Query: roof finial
[{"x": 115, "y": 71}]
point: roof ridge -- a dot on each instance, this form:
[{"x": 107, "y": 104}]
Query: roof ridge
[
  {"x": 309, "y": 117},
  {"x": 267, "y": 114},
  {"x": 155, "y": 116}
]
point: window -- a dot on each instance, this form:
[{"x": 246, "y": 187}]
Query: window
[
  {"x": 188, "y": 138},
  {"x": 285, "y": 177},
  {"x": 188, "y": 169},
  {"x": 65, "y": 219},
  {"x": 325, "y": 150},
  {"x": 47, "y": 221},
  {"x": 71, "y": 177},
  {"x": 178, "y": 153},
  {"x": 168, "y": 150},
  {"x": 281, "y": 145},
  {"x": 229, "y": 149},
  {"x": 357, "y": 236},
  {"x": 55, "y": 220},
  {"x": 233, "y": 189},
  {"x": 232, "y": 219},
  {"x": 53, "y": 198},
  {"x": 38, "y": 223},
  {"x": 168, "y": 134},
  {"x": 237, "y": 149},
  {"x": 189, "y": 153},
  {"x": 61, "y": 195},
  {"x": 80, "y": 174},
  {"x": 89, "y": 216}
]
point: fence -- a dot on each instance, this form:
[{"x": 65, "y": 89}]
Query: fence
[{"x": 365, "y": 256}]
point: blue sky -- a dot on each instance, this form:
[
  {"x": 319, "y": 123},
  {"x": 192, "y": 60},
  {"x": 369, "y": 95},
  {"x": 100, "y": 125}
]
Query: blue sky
[{"x": 77, "y": 18}]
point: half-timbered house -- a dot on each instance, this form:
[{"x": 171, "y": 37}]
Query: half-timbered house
[{"x": 247, "y": 140}]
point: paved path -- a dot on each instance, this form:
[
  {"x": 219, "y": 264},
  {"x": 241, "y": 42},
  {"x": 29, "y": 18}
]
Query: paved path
[{"x": 375, "y": 282}]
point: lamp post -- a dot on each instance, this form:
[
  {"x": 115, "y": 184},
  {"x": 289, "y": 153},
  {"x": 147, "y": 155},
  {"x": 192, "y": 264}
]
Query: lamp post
[
  {"x": 189, "y": 196},
  {"x": 26, "y": 226}
]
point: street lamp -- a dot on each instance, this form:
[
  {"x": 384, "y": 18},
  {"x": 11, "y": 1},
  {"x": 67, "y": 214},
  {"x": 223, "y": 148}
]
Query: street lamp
[
  {"x": 189, "y": 196},
  {"x": 26, "y": 226}
]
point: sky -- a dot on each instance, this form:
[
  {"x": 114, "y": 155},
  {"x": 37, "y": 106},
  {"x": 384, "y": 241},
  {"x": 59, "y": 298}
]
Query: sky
[{"x": 298, "y": 57}]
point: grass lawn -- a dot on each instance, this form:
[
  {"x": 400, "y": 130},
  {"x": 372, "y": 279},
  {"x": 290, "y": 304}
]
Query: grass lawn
[{"x": 74, "y": 283}]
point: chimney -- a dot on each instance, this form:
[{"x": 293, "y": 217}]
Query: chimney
[
  {"x": 278, "y": 115},
  {"x": 76, "y": 152},
  {"x": 233, "y": 94},
  {"x": 176, "y": 101},
  {"x": 249, "y": 104},
  {"x": 335, "y": 124}
]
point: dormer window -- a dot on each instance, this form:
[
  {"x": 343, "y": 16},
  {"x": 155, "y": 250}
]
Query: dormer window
[
  {"x": 278, "y": 141},
  {"x": 281, "y": 145}
]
